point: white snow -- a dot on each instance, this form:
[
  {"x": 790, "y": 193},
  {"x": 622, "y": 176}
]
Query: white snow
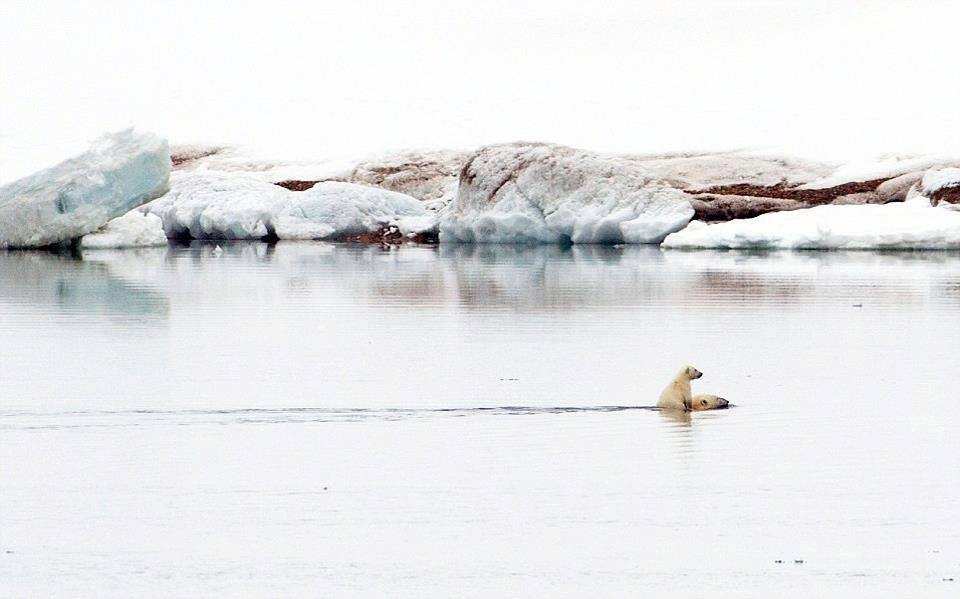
[
  {"x": 884, "y": 167},
  {"x": 218, "y": 206},
  {"x": 331, "y": 209},
  {"x": 539, "y": 193},
  {"x": 119, "y": 172},
  {"x": 910, "y": 225},
  {"x": 936, "y": 179},
  {"x": 697, "y": 171},
  {"x": 241, "y": 206},
  {"x": 133, "y": 229},
  {"x": 259, "y": 165}
]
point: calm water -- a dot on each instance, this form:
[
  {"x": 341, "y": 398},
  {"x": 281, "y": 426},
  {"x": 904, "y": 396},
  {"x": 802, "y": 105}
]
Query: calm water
[{"x": 305, "y": 419}]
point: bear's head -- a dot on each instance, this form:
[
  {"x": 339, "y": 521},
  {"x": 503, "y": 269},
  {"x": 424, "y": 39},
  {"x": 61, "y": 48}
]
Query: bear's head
[
  {"x": 708, "y": 402},
  {"x": 693, "y": 373}
]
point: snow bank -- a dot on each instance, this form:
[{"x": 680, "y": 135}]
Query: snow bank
[
  {"x": 218, "y": 206},
  {"x": 911, "y": 225},
  {"x": 78, "y": 196},
  {"x": 430, "y": 176},
  {"x": 132, "y": 230},
  {"x": 699, "y": 171},
  {"x": 935, "y": 181},
  {"x": 539, "y": 193},
  {"x": 241, "y": 206},
  {"x": 886, "y": 167},
  {"x": 333, "y": 210},
  {"x": 220, "y": 159}
]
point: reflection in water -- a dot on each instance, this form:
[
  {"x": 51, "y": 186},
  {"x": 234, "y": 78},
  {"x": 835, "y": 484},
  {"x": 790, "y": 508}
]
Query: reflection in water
[
  {"x": 551, "y": 278},
  {"x": 39, "y": 280},
  {"x": 467, "y": 417},
  {"x": 676, "y": 416}
]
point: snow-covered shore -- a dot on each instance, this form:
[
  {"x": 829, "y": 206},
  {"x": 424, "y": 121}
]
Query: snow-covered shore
[{"x": 505, "y": 193}]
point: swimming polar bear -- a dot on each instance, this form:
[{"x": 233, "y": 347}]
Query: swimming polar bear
[{"x": 678, "y": 396}]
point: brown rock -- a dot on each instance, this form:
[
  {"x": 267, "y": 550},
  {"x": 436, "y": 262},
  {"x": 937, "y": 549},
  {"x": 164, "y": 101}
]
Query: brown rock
[
  {"x": 895, "y": 189},
  {"x": 715, "y": 207}
]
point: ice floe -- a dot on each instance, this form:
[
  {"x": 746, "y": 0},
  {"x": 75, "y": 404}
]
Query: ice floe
[
  {"x": 911, "y": 225},
  {"x": 241, "y": 206},
  {"x": 119, "y": 172}
]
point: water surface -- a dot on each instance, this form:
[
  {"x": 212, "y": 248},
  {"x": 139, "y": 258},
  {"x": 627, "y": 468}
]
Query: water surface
[{"x": 467, "y": 421}]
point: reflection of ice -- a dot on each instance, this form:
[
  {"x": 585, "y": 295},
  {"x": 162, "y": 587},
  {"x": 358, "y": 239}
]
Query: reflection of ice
[
  {"x": 550, "y": 278},
  {"x": 75, "y": 285},
  {"x": 490, "y": 277}
]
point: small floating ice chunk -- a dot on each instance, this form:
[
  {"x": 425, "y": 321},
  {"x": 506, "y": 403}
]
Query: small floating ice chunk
[
  {"x": 911, "y": 225},
  {"x": 121, "y": 171},
  {"x": 133, "y": 229}
]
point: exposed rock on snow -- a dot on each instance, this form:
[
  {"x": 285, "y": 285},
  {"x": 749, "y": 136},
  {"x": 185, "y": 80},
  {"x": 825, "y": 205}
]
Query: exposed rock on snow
[
  {"x": 720, "y": 207},
  {"x": 133, "y": 229},
  {"x": 881, "y": 169},
  {"x": 774, "y": 198},
  {"x": 427, "y": 176},
  {"x": 942, "y": 185},
  {"x": 233, "y": 160},
  {"x": 183, "y": 155},
  {"x": 898, "y": 188},
  {"x": 430, "y": 175},
  {"x": 540, "y": 193},
  {"x": 78, "y": 196},
  {"x": 910, "y": 225},
  {"x": 240, "y": 206}
]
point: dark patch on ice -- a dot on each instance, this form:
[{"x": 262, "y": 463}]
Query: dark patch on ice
[{"x": 296, "y": 184}]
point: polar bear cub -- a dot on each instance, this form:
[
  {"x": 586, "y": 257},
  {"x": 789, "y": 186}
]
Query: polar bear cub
[{"x": 678, "y": 396}]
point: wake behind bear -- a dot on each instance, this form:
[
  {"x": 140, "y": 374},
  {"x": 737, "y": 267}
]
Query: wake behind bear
[{"x": 678, "y": 396}]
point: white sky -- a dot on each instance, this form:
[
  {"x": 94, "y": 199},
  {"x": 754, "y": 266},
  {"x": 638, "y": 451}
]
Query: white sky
[{"x": 319, "y": 79}]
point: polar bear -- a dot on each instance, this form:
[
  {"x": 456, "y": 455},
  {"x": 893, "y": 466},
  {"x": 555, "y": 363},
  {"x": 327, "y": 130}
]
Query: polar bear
[{"x": 678, "y": 396}]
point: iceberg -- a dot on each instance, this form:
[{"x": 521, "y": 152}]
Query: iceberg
[
  {"x": 543, "y": 193},
  {"x": 132, "y": 230},
  {"x": 80, "y": 195},
  {"x": 241, "y": 206},
  {"x": 912, "y": 225}
]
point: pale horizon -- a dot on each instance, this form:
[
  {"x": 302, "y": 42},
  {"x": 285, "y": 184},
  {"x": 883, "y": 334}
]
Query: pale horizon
[{"x": 831, "y": 81}]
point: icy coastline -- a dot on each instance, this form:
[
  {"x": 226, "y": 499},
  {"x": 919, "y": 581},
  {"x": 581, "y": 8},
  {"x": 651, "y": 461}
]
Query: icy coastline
[{"x": 121, "y": 193}]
